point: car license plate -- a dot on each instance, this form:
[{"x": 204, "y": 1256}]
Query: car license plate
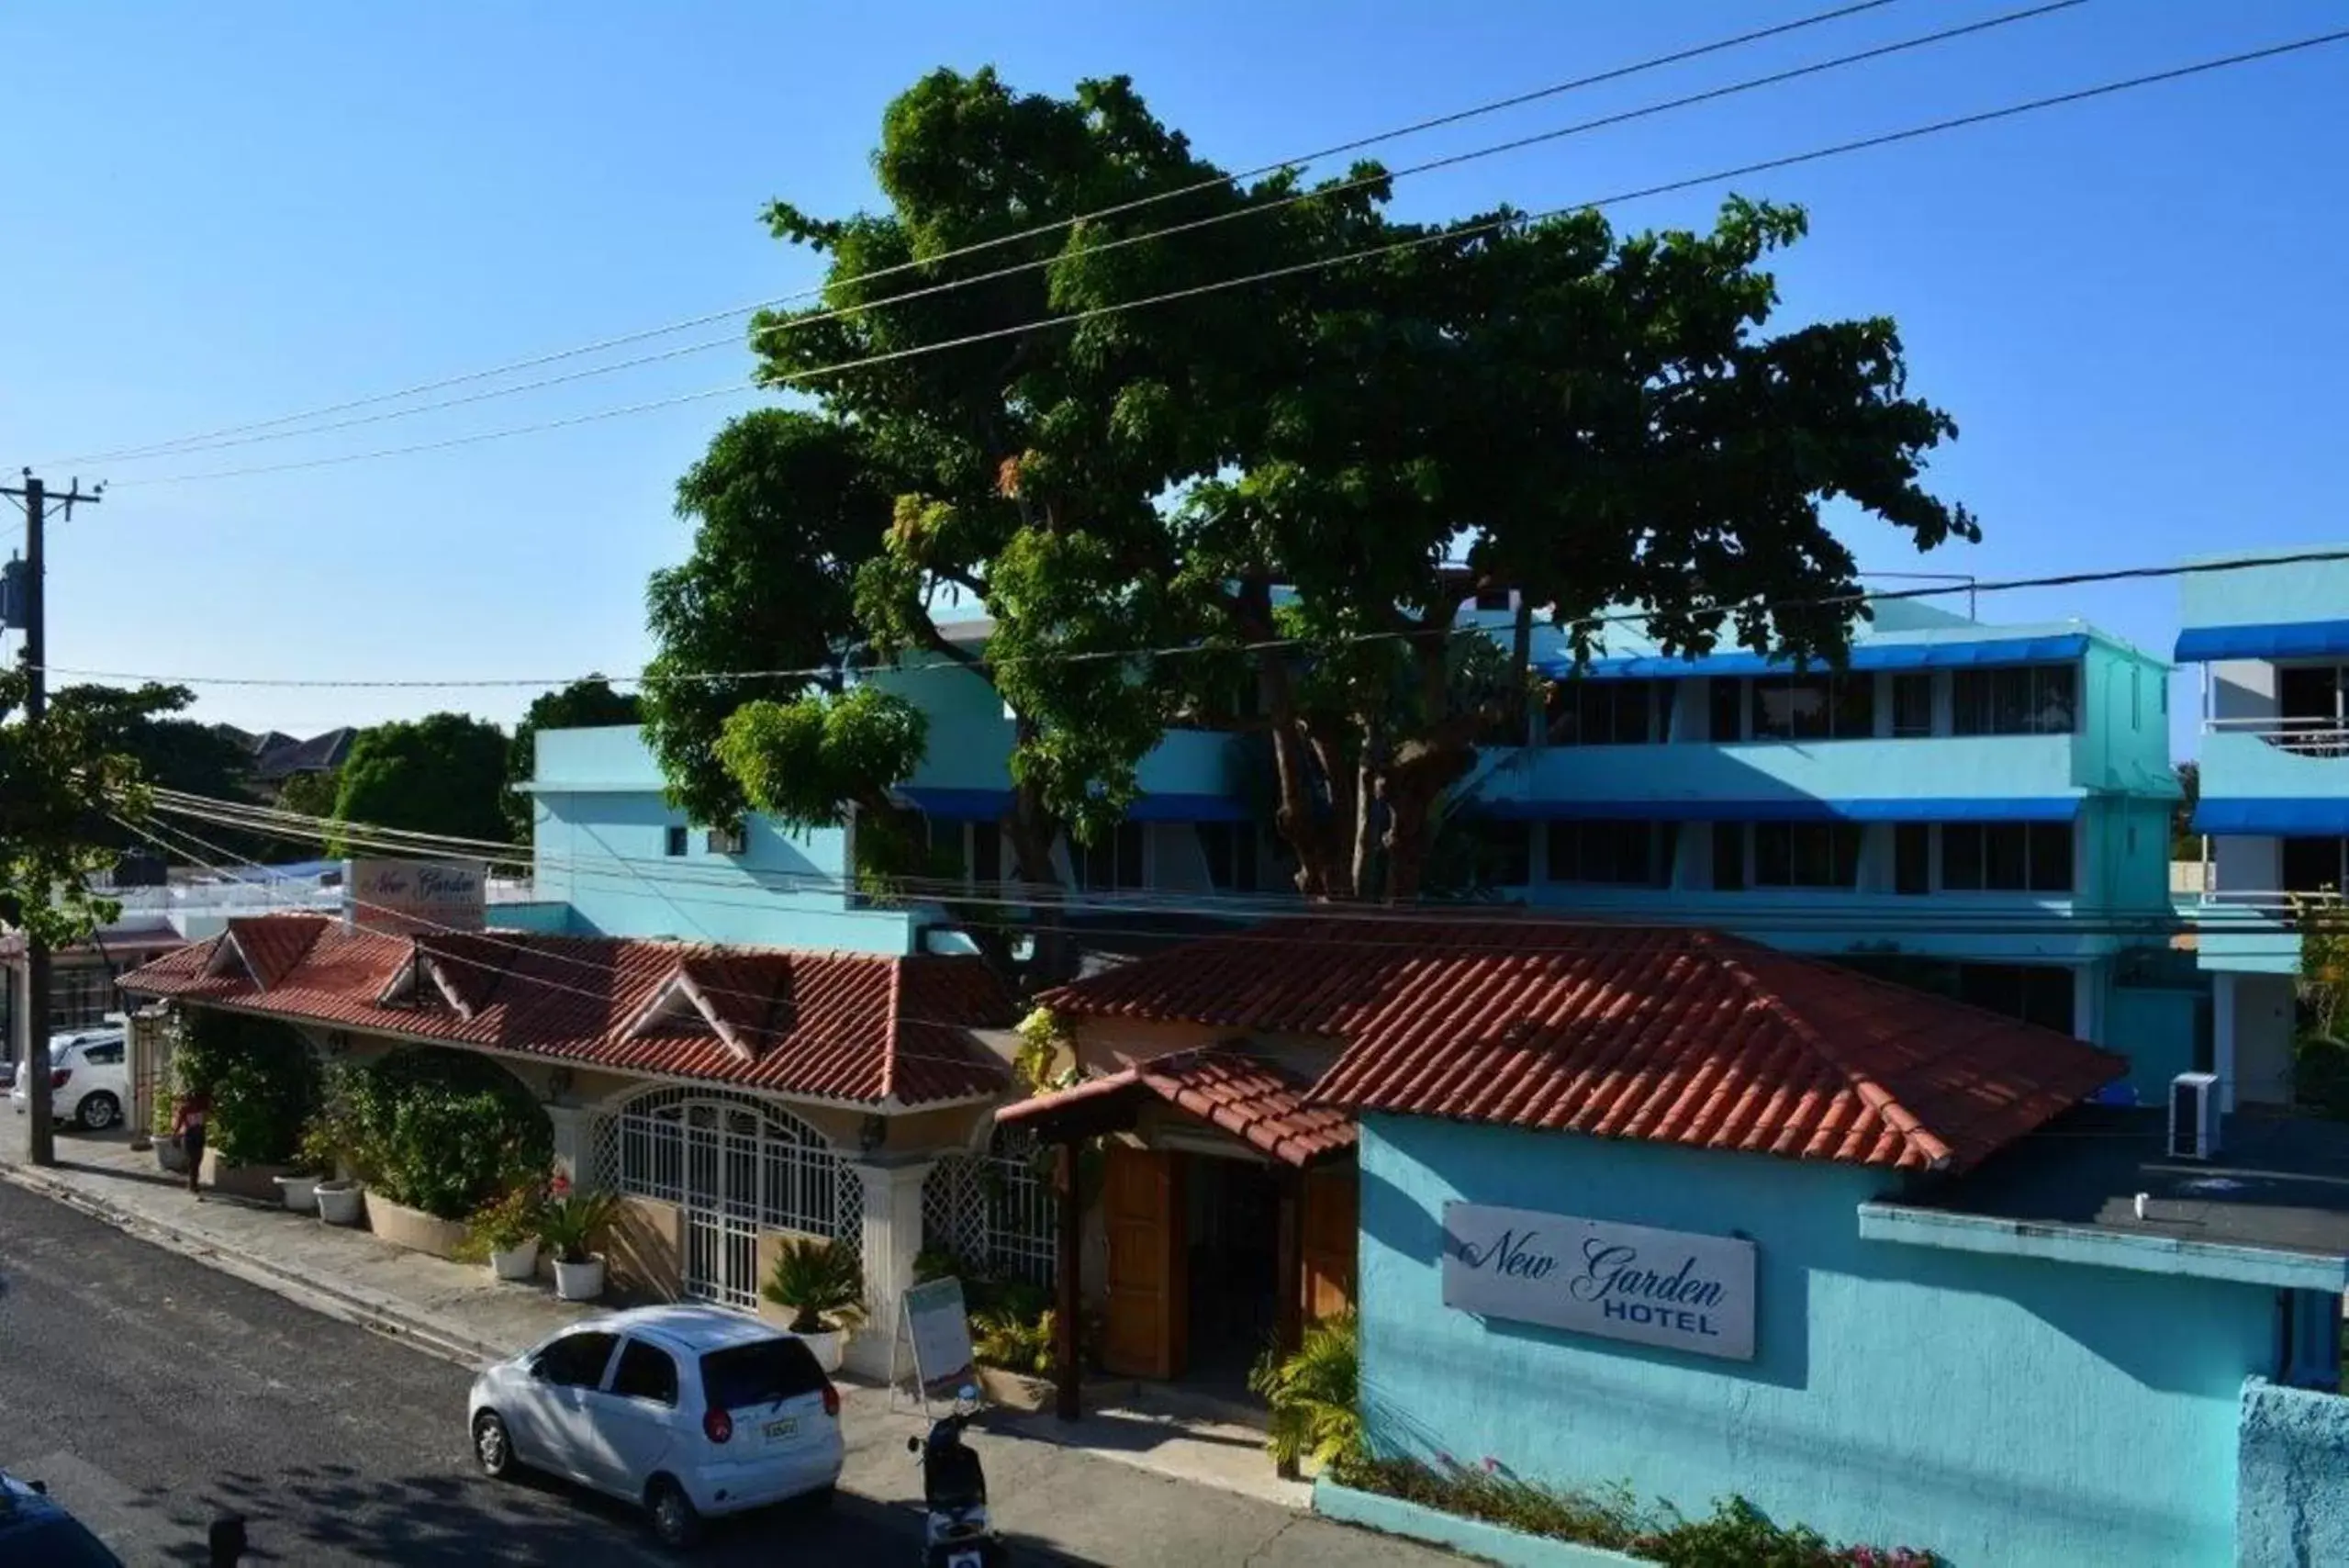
[{"x": 782, "y": 1429}]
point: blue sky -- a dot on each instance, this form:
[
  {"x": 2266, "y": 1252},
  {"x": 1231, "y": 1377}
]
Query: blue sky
[{"x": 2131, "y": 306}]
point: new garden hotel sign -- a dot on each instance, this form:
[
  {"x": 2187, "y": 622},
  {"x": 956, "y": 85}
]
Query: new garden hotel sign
[{"x": 1623, "y": 1281}]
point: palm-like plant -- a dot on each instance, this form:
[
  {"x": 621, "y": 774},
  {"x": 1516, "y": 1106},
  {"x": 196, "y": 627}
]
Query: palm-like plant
[
  {"x": 1315, "y": 1397},
  {"x": 821, "y": 1281}
]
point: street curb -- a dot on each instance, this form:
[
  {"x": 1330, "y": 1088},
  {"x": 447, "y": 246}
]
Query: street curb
[{"x": 333, "y": 1301}]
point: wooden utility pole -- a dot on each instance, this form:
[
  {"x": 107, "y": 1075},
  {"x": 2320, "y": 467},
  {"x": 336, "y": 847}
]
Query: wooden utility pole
[{"x": 39, "y": 1107}]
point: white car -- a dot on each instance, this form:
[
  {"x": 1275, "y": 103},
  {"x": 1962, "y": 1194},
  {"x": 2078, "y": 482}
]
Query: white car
[
  {"x": 691, "y": 1411},
  {"x": 89, "y": 1079}
]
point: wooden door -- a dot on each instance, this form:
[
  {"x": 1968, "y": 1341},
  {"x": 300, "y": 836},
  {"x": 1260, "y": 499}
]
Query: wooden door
[
  {"x": 1331, "y": 1213},
  {"x": 1142, "y": 1206}
]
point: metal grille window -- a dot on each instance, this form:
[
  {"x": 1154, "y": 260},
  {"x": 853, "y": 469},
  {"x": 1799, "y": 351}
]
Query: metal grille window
[
  {"x": 996, "y": 1210},
  {"x": 737, "y": 1165}
]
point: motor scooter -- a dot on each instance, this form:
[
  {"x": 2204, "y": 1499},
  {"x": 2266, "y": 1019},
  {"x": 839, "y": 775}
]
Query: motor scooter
[{"x": 954, "y": 1533}]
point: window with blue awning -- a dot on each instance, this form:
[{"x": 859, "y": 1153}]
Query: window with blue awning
[
  {"x": 2283, "y": 816},
  {"x": 990, "y": 805},
  {"x": 1865, "y": 656},
  {"x": 1792, "y": 808}
]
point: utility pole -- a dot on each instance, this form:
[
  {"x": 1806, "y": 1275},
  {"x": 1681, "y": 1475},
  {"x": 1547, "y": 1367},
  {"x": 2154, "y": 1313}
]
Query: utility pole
[{"x": 35, "y": 1066}]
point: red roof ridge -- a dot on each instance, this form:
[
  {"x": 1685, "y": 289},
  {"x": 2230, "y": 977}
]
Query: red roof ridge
[{"x": 889, "y": 1034}]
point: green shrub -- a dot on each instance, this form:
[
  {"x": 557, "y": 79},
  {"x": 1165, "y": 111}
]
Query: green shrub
[
  {"x": 441, "y": 1131},
  {"x": 262, "y": 1079},
  {"x": 821, "y": 1281},
  {"x": 1315, "y": 1397}
]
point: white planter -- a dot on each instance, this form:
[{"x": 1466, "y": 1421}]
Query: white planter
[
  {"x": 300, "y": 1192},
  {"x": 579, "y": 1282},
  {"x": 515, "y": 1262},
  {"x": 827, "y": 1345},
  {"x": 341, "y": 1203}
]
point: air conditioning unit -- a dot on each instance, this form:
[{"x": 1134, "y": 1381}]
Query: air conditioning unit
[{"x": 2194, "y": 1116}]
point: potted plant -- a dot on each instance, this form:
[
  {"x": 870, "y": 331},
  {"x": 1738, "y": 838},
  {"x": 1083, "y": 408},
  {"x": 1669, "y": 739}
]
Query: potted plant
[
  {"x": 170, "y": 1153},
  {"x": 822, "y": 1283},
  {"x": 572, "y": 1226},
  {"x": 313, "y": 1161},
  {"x": 326, "y": 1147},
  {"x": 506, "y": 1230}
]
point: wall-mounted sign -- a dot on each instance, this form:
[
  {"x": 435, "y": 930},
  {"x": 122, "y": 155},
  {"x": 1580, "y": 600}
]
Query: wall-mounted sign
[
  {"x": 1623, "y": 1281},
  {"x": 411, "y": 898}
]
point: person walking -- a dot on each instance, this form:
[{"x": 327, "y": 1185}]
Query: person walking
[{"x": 188, "y": 1122}]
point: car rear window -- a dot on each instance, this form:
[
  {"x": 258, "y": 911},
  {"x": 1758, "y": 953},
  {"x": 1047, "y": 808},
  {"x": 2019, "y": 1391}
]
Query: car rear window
[{"x": 759, "y": 1373}]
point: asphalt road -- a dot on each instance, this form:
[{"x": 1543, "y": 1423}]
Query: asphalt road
[{"x": 152, "y": 1393}]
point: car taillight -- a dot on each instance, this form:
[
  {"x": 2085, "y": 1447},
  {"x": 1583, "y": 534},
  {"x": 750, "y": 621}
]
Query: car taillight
[
  {"x": 830, "y": 1399},
  {"x": 57, "y": 1078},
  {"x": 718, "y": 1426}
]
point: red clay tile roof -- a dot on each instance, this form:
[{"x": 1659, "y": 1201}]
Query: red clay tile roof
[
  {"x": 1670, "y": 1036},
  {"x": 1247, "y": 1097},
  {"x": 270, "y": 948},
  {"x": 850, "y": 1026}
]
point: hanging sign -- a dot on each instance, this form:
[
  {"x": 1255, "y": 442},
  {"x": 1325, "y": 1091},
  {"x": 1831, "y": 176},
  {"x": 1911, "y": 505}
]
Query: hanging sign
[
  {"x": 413, "y": 898},
  {"x": 1679, "y": 1288}
]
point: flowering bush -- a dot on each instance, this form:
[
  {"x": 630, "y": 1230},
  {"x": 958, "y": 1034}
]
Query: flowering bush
[{"x": 508, "y": 1220}]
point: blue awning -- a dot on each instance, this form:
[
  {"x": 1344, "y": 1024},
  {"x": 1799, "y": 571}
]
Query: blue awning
[
  {"x": 2289, "y": 640},
  {"x": 1796, "y": 809},
  {"x": 1864, "y": 656},
  {"x": 2283, "y": 815},
  {"x": 990, "y": 805}
]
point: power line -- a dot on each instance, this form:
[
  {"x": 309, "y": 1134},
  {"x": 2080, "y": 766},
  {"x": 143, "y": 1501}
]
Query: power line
[
  {"x": 819, "y": 672},
  {"x": 1446, "y": 236},
  {"x": 1436, "y": 122},
  {"x": 1320, "y": 193}
]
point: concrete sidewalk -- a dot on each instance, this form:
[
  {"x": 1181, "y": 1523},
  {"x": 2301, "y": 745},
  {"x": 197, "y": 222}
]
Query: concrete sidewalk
[{"x": 459, "y": 1312}]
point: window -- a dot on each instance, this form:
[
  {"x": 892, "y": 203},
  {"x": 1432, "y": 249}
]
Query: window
[
  {"x": 79, "y": 995},
  {"x": 576, "y": 1361},
  {"x": 646, "y": 1371},
  {"x": 1912, "y": 705},
  {"x": 1108, "y": 864},
  {"x": 1912, "y": 858},
  {"x": 2313, "y": 865},
  {"x": 1806, "y": 855},
  {"x": 725, "y": 840},
  {"x": 762, "y": 1373},
  {"x": 1729, "y": 858},
  {"x": 1601, "y": 713},
  {"x": 985, "y": 855},
  {"x": 1727, "y": 709},
  {"x": 109, "y": 1055},
  {"x": 2036, "y": 993},
  {"x": 1815, "y": 707},
  {"x": 1230, "y": 849},
  {"x": 680, "y": 840},
  {"x": 2136, "y": 698},
  {"x": 1625, "y": 854},
  {"x": 2006, "y": 857},
  {"x": 947, "y": 842},
  {"x": 1504, "y": 852},
  {"x": 2021, "y": 699}
]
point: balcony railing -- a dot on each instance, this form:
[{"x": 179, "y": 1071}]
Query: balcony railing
[{"x": 2302, "y": 737}]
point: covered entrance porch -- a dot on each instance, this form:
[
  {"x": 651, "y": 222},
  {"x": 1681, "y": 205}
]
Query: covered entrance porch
[{"x": 1217, "y": 1221}]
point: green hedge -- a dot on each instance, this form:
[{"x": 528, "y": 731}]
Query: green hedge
[
  {"x": 439, "y": 1130},
  {"x": 262, "y": 1080}
]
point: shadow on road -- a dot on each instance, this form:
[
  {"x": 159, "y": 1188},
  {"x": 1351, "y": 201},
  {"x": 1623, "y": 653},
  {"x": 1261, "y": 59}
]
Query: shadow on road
[{"x": 333, "y": 1513}]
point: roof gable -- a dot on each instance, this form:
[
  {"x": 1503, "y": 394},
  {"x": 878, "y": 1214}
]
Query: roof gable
[{"x": 266, "y": 946}]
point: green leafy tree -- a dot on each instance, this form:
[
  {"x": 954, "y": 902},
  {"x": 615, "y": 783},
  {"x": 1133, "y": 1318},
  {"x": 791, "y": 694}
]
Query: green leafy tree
[
  {"x": 582, "y": 705},
  {"x": 60, "y": 786},
  {"x": 1297, "y": 482},
  {"x": 441, "y": 774}
]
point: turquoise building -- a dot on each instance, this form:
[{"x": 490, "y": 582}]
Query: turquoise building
[{"x": 2271, "y": 643}]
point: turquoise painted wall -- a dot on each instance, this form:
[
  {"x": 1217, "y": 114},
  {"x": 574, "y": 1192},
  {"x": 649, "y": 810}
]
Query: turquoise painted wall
[
  {"x": 2264, "y": 596},
  {"x": 2155, "y": 1029},
  {"x": 2292, "y": 1483},
  {"x": 2009, "y": 1413},
  {"x": 601, "y": 833},
  {"x": 2239, "y": 765}
]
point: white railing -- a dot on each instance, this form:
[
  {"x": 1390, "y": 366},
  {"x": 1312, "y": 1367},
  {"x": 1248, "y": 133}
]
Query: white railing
[
  {"x": 225, "y": 898},
  {"x": 2302, "y": 737}
]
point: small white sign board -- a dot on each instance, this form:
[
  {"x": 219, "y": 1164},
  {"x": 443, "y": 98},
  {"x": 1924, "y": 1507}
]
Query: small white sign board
[
  {"x": 933, "y": 1325},
  {"x": 1675, "y": 1288},
  {"x": 409, "y": 898}
]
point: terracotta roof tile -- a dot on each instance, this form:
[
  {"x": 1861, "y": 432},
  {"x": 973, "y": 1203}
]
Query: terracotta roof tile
[
  {"x": 1251, "y": 1099},
  {"x": 865, "y": 1028},
  {"x": 1669, "y": 1036},
  {"x": 271, "y": 945}
]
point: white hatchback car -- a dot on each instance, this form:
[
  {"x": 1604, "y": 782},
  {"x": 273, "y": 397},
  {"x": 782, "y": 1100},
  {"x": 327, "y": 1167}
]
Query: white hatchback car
[
  {"x": 691, "y": 1411},
  {"x": 89, "y": 1078}
]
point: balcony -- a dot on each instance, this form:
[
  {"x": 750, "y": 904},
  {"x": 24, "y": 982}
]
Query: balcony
[
  {"x": 1767, "y": 778},
  {"x": 2281, "y": 778}
]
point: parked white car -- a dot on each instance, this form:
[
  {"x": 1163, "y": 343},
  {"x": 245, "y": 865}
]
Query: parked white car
[
  {"x": 691, "y": 1411},
  {"x": 89, "y": 1078}
]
